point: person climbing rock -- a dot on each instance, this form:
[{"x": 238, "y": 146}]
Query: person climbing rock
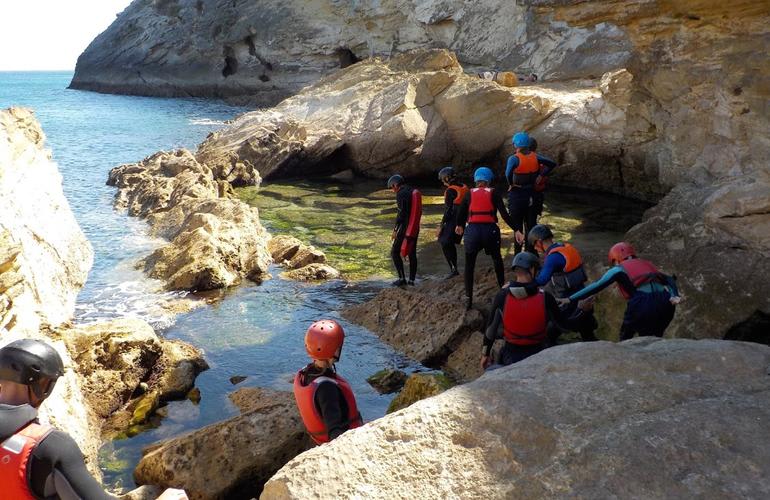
[
  {"x": 522, "y": 172},
  {"x": 36, "y": 460},
  {"x": 325, "y": 400},
  {"x": 541, "y": 183},
  {"x": 454, "y": 195},
  {"x": 479, "y": 210},
  {"x": 406, "y": 230},
  {"x": 652, "y": 296},
  {"x": 562, "y": 275},
  {"x": 522, "y": 311}
]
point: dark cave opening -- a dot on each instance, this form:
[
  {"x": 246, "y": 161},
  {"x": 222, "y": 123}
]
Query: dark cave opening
[
  {"x": 756, "y": 328},
  {"x": 346, "y": 57}
]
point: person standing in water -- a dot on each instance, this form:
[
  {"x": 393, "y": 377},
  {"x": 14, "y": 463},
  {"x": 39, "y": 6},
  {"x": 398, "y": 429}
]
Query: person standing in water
[
  {"x": 325, "y": 400},
  {"x": 406, "y": 230},
  {"x": 454, "y": 195}
]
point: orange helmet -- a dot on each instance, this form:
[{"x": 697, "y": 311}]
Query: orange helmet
[
  {"x": 323, "y": 339},
  {"x": 620, "y": 252}
]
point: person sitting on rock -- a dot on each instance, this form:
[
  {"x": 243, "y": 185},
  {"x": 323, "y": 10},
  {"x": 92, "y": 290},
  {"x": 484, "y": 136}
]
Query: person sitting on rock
[
  {"x": 523, "y": 311},
  {"x": 454, "y": 195},
  {"x": 406, "y": 230},
  {"x": 480, "y": 210},
  {"x": 325, "y": 400},
  {"x": 652, "y": 296},
  {"x": 547, "y": 166},
  {"x": 522, "y": 172},
  {"x": 562, "y": 275},
  {"x": 37, "y": 461}
]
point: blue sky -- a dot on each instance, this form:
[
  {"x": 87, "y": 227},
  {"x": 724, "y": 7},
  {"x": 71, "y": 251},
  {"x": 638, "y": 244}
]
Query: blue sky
[{"x": 51, "y": 34}]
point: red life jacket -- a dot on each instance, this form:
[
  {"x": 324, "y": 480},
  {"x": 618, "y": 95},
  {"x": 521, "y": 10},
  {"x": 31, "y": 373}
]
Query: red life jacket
[
  {"x": 639, "y": 271},
  {"x": 14, "y": 457},
  {"x": 461, "y": 191},
  {"x": 413, "y": 226},
  {"x": 311, "y": 417},
  {"x": 542, "y": 181},
  {"x": 573, "y": 276},
  {"x": 525, "y": 320},
  {"x": 482, "y": 207}
]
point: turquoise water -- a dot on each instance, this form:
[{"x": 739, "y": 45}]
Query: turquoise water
[{"x": 255, "y": 331}]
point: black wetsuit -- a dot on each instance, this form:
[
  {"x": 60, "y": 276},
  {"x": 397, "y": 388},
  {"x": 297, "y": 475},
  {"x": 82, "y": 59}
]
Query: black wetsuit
[
  {"x": 484, "y": 236},
  {"x": 447, "y": 237},
  {"x": 329, "y": 400},
  {"x": 513, "y": 353},
  {"x": 404, "y": 205},
  {"x": 522, "y": 200},
  {"x": 56, "y": 468}
]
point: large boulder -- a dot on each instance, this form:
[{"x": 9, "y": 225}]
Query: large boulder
[
  {"x": 233, "y": 458},
  {"x": 646, "y": 418},
  {"x": 302, "y": 262}
]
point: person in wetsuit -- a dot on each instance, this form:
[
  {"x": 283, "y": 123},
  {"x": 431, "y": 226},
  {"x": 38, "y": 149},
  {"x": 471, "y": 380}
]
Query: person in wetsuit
[
  {"x": 404, "y": 206},
  {"x": 325, "y": 400},
  {"x": 538, "y": 193},
  {"x": 454, "y": 195},
  {"x": 562, "y": 275},
  {"x": 522, "y": 171},
  {"x": 36, "y": 460},
  {"x": 652, "y": 296},
  {"x": 479, "y": 210},
  {"x": 523, "y": 312}
]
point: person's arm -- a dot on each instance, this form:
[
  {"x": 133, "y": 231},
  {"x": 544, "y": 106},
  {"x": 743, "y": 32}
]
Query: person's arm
[
  {"x": 548, "y": 164},
  {"x": 328, "y": 398},
  {"x": 403, "y": 202},
  {"x": 671, "y": 284},
  {"x": 449, "y": 205},
  {"x": 462, "y": 212},
  {"x": 497, "y": 199},
  {"x": 59, "y": 455},
  {"x": 497, "y": 305},
  {"x": 554, "y": 262},
  {"x": 510, "y": 166},
  {"x": 557, "y": 315},
  {"x": 616, "y": 274}
]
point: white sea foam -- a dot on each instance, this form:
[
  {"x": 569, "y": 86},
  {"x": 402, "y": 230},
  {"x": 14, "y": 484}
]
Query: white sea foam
[{"x": 206, "y": 121}]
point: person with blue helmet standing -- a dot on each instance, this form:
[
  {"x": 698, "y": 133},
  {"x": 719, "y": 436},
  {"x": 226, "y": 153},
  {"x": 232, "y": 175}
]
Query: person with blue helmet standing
[
  {"x": 479, "y": 211},
  {"x": 522, "y": 172},
  {"x": 454, "y": 195}
]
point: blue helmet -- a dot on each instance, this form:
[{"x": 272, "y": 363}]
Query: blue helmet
[
  {"x": 521, "y": 140},
  {"x": 395, "y": 180},
  {"x": 483, "y": 174}
]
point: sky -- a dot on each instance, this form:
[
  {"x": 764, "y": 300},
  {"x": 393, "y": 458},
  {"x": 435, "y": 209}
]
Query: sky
[{"x": 51, "y": 34}]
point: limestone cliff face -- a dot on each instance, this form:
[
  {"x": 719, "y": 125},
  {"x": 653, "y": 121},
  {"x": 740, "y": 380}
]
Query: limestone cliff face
[{"x": 272, "y": 48}]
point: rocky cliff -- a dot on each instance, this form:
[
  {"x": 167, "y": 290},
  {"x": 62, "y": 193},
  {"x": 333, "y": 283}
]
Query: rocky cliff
[{"x": 646, "y": 418}]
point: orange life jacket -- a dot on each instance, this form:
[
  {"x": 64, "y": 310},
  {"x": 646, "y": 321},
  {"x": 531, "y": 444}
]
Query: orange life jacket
[
  {"x": 461, "y": 191},
  {"x": 311, "y": 417},
  {"x": 413, "y": 226},
  {"x": 639, "y": 271},
  {"x": 525, "y": 174},
  {"x": 525, "y": 320},
  {"x": 482, "y": 207},
  {"x": 573, "y": 276},
  {"x": 14, "y": 457}
]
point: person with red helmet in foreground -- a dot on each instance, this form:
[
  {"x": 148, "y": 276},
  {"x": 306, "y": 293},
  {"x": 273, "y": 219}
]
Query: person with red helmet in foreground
[
  {"x": 325, "y": 400},
  {"x": 652, "y": 296}
]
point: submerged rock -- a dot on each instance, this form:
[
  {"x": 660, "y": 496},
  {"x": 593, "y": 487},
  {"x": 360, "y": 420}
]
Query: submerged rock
[
  {"x": 420, "y": 386},
  {"x": 387, "y": 381},
  {"x": 594, "y": 420},
  {"x": 312, "y": 272},
  {"x": 231, "y": 458}
]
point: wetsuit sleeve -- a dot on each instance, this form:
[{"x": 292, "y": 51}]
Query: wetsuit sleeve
[
  {"x": 329, "y": 400},
  {"x": 60, "y": 456},
  {"x": 555, "y": 313},
  {"x": 462, "y": 212},
  {"x": 500, "y": 206},
  {"x": 449, "y": 206},
  {"x": 497, "y": 305},
  {"x": 403, "y": 202},
  {"x": 616, "y": 274},
  {"x": 548, "y": 163},
  {"x": 671, "y": 284},
  {"x": 554, "y": 262},
  {"x": 510, "y": 166}
]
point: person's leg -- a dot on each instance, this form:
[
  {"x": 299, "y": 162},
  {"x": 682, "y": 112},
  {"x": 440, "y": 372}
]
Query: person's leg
[
  {"x": 631, "y": 317},
  {"x": 517, "y": 210},
  {"x": 530, "y": 221},
  {"x": 658, "y": 314},
  {"x": 450, "y": 254},
  {"x": 511, "y": 353},
  {"x": 497, "y": 262},
  {"x": 413, "y": 264},
  {"x": 395, "y": 254},
  {"x": 470, "y": 265}
]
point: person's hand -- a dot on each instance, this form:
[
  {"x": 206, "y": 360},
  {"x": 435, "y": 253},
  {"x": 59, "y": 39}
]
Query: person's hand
[
  {"x": 563, "y": 302},
  {"x": 173, "y": 494},
  {"x": 519, "y": 237},
  {"x": 393, "y": 235},
  {"x": 486, "y": 362},
  {"x": 587, "y": 304},
  {"x": 675, "y": 300},
  {"x": 459, "y": 230}
]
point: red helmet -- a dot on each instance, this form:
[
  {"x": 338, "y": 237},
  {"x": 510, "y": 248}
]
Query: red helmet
[
  {"x": 620, "y": 252},
  {"x": 323, "y": 339}
]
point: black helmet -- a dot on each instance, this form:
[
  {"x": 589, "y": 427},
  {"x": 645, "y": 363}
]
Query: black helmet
[
  {"x": 446, "y": 173},
  {"x": 395, "y": 180},
  {"x": 539, "y": 233},
  {"x": 532, "y": 144},
  {"x": 32, "y": 363},
  {"x": 525, "y": 260}
]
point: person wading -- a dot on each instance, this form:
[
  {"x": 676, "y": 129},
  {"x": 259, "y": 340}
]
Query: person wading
[
  {"x": 562, "y": 275},
  {"x": 454, "y": 195},
  {"x": 651, "y": 295},
  {"x": 36, "y": 460},
  {"x": 523, "y": 312},
  {"x": 325, "y": 400},
  {"x": 479, "y": 210},
  {"x": 406, "y": 230}
]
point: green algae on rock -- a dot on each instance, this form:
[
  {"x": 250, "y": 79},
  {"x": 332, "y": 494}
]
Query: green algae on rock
[{"x": 420, "y": 386}]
